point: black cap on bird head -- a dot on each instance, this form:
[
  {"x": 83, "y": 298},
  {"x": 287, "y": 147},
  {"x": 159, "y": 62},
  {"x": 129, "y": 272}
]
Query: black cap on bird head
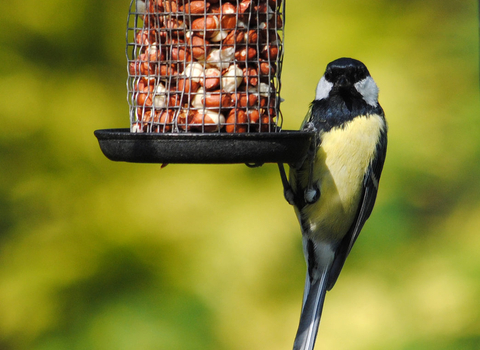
[{"x": 346, "y": 71}]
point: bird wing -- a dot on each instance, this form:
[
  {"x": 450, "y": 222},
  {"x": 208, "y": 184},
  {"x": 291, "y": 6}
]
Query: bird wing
[
  {"x": 307, "y": 118},
  {"x": 370, "y": 188}
]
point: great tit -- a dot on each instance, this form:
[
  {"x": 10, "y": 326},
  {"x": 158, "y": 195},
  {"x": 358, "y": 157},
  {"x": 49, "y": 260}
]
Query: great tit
[{"x": 333, "y": 189}]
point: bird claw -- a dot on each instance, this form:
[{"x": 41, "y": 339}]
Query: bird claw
[
  {"x": 311, "y": 195},
  {"x": 289, "y": 196},
  {"x": 310, "y": 127}
]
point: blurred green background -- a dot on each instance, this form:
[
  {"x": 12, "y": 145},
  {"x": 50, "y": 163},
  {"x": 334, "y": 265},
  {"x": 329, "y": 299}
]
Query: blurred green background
[{"x": 102, "y": 255}]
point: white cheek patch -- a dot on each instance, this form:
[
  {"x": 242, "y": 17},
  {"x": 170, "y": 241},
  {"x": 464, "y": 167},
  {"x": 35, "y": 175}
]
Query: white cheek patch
[
  {"x": 369, "y": 91},
  {"x": 323, "y": 89}
]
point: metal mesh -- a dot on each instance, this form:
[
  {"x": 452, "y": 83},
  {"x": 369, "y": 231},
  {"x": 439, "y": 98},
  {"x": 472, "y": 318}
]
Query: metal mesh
[{"x": 205, "y": 66}]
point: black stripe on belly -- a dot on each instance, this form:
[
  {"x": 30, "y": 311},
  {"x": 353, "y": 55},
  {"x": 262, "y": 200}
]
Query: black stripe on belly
[{"x": 336, "y": 110}]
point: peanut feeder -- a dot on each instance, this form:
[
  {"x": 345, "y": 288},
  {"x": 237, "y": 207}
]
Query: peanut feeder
[
  {"x": 203, "y": 86},
  {"x": 204, "y": 66}
]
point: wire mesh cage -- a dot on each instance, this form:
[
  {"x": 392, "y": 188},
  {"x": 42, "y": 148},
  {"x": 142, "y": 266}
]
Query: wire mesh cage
[
  {"x": 205, "y": 66},
  {"x": 203, "y": 86}
]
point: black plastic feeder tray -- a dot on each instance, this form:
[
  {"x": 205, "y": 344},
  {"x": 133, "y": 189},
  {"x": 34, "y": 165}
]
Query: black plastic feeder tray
[{"x": 213, "y": 148}]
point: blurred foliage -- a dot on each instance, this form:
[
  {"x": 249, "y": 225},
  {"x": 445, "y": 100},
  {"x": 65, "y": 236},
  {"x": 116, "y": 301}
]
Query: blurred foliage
[{"x": 102, "y": 255}]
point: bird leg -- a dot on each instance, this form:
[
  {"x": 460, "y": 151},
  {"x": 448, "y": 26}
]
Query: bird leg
[
  {"x": 287, "y": 189},
  {"x": 312, "y": 192}
]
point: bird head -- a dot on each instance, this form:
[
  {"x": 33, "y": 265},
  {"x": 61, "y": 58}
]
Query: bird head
[{"x": 347, "y": 76}]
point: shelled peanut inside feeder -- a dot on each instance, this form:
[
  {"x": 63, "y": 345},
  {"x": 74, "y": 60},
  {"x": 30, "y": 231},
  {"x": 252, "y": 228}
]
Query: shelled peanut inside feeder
[{"x": 205, "y": 66}]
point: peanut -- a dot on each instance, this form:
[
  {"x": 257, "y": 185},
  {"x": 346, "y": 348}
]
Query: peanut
[
  {"x": 207, "y": 121},
  {"x": 250, "y": 76},
  {"x": 187, "y": 85},
  {"x": 244, "y": 54},
  {"x": 212, "y": 79},
  {"x": 205, "y": 26},
  {"x": 237, "y": 121},
  {"x": 199, "y": 47},
  {"x": 234, "y": 37},
  {"x": 228, "y": 19},
  {"x": 196, "y": 7},
  {"x": 217, "y": 99},
  {"x": 244, "y": 99}
]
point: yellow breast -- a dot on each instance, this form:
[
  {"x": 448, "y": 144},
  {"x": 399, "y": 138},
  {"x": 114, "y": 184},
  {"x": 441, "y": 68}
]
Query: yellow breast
[{"x": 341, "y": 162}]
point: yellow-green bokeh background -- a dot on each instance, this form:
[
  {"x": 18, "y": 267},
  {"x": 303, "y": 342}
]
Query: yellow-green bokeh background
[{"x": 102, "y": 255}]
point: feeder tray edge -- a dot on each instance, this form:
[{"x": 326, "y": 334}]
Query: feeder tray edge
[{"x": 286, "y": 146}]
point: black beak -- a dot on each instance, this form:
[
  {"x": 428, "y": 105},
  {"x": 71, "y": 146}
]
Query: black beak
[{"x": 342, "y": 81}]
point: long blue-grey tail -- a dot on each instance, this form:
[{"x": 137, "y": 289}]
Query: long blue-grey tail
[{"x": 311, "y": 312}]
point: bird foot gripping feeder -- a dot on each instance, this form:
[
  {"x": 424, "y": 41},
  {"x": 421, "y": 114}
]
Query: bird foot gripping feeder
[{"x": 204, "y": 81}]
